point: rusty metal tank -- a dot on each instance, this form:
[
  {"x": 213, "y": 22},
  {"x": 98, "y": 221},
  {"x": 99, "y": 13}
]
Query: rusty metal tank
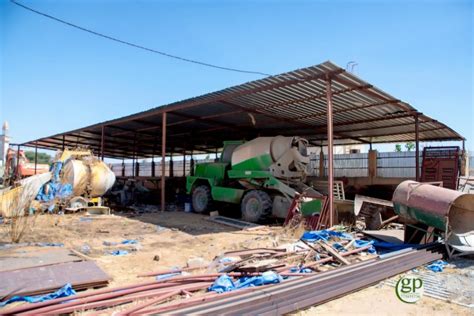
[
  {"x": 88, "y": 177},
  {"x": 436, "y": 207}
]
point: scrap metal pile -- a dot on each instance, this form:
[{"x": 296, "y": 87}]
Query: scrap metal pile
[{"x": 319, "y": 266}]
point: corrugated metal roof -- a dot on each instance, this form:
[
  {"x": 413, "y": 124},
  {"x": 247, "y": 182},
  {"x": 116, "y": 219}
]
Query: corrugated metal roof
[{"x": 293, "y": 103}]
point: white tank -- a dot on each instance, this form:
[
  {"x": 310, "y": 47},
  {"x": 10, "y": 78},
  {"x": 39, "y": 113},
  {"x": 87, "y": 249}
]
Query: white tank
[{"x": 91, "y": 177}]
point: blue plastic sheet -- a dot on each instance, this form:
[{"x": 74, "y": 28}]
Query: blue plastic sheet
[
  {"x": 129, "y": 242},
  {"x": 119, "y": 252},
  {"x": 49, "y": 244},
  {"x": 224, "y": 283},
  {"x": 65, "y": 291},
  {"x": 437, "y": 266},
  {"x": 300, "y": 270},
  {"x": 358, "y": 243},
  {"x": 325, "y": 235}
]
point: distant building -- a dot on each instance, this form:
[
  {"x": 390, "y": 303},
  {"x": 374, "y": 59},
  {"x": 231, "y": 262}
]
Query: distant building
[{"x": 4, "y": 143}]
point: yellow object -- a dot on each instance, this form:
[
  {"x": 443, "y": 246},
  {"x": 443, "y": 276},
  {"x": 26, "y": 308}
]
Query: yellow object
[{"x": 7, "y": 198}]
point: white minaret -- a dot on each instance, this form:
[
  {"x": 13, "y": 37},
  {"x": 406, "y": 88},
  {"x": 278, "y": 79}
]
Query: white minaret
[{"x": 4, "y": 142}]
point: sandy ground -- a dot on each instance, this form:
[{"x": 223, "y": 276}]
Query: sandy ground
[{"x": 176, "y": 237}]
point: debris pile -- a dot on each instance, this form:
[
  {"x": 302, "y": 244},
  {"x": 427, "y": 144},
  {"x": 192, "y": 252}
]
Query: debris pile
[{"x": 231, "y": 273}]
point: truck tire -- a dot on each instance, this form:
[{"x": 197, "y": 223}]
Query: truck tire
[
  {"x": 256, "y": 206},
  {"x": 202, "y": 199}
]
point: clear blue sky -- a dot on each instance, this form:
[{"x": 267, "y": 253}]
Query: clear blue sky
[{"x": 55, "y": 78}]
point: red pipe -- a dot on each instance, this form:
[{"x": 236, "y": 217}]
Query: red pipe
[{"x": 106, "y": 302}]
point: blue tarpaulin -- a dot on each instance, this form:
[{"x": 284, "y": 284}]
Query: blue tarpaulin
[
  {"x": 325, "y": 235},
  {"x": 437, "y": 266},
  {"x": 224, "y": 283},
  {"x": 119, "y": 252},
  {"x": 65, "y": 291}
]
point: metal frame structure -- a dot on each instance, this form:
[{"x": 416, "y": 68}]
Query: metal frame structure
[{"x": 322, "y": 103}]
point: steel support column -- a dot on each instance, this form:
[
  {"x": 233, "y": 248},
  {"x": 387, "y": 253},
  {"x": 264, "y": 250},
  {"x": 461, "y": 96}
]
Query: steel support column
[
  {"x": 417, "y": 148},
  {"x": 163, "y": 161},
  {"x": 64, "y": 141},
  {"x": 102, "y": 134},
  {"x": 330, "y": 151},
  {"x": 184, "y": 164},
  {"x": 17, "y": 171},
  {"x": 36, "y": 156}
]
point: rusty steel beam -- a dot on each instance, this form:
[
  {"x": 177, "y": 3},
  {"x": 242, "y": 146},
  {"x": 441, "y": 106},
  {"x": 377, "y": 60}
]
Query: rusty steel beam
[
  {"x": 417, "y": 148},
  {"x": 163, "y": 161},
  {"x": 301, "y": 117},
  {"x": 102, "y": 143},
  {"x": 315, "y": 97},
  {"x": 372, "y": 94},
  {"x": 330, "y": 151},
  {"x": 36, "y": 156}
]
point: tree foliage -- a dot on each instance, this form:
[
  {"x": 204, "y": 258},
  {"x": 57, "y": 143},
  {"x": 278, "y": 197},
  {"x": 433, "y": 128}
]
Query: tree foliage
[{"x": 42, "y": 158}]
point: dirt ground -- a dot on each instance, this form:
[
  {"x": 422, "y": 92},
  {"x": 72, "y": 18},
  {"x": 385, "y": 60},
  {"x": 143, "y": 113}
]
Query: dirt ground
[{"x": 175, "y": 237}]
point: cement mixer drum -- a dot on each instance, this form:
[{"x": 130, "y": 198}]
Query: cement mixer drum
[{"x": 88, "y": 177}]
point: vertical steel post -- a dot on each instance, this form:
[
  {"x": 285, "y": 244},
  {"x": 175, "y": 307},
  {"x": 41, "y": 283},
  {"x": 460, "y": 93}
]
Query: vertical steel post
[
  {"x": 102, "y": 143},
  {"x": 163, "y": 156},
  {"x": 184, "y": 164},
  {"x": 171, "y": 166},
  {"x": 153, "y": 173},
  {"x": 64, "y": 140},
  {"x": 17, "y": 172},
  {"x": 36, "y": 156},
  {"x": 417, "y": 148},
  {"x": 330, "y": 151}
]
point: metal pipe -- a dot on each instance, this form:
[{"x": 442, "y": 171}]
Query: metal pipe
[
  {"x": 163, "y": 161},
  {"x": 417, "y": 147},
  {"x": 184, "y": 164},
  {"x": 102, "y": 143},
  {"x": 154, "y": 301},
  {"x": 330, "y": 151},
  {"x": 123, "y": 290},
  {"x": 36, "y": 156},
  {"x": 80, "y": 305}
]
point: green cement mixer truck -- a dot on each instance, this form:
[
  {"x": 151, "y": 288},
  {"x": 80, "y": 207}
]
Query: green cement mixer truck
[{"x": 262, "y": 175}]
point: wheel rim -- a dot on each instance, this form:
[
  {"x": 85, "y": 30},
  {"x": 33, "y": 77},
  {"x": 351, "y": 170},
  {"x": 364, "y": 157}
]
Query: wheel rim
[
  {"x": 253, "y": 207},
  {"x": 201, "y": 200}
]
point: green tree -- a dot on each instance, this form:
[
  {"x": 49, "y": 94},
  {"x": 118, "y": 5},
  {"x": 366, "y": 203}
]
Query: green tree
[
  {"x": 398, "y": 148},
  {"x": 410, "y": 146},
  {"x": 42, "y": 158}
]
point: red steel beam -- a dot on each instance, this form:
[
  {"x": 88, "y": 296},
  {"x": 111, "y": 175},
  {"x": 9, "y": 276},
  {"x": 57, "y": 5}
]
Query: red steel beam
[
  {"x": 163, "y": 161},
  {"x": 330, "y": 151}
]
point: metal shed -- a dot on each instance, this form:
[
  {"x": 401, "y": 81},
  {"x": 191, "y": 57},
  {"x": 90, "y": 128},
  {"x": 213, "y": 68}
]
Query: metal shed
[{"x": 324, "y": 103}]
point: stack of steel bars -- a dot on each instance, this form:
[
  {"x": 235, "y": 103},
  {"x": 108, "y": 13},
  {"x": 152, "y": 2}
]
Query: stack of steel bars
[{"x": 304, "y": 292}]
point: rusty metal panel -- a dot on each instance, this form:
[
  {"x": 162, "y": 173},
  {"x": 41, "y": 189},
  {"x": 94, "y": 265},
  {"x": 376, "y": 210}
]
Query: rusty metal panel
[
  {"x": 34, "y": 281},
  {"x": 441, "y": 164}
]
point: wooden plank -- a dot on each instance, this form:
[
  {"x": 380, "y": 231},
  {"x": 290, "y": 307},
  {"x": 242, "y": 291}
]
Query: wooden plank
[
  {"x": 47, "y": 279},
  {"x": 334, "y": 253}
]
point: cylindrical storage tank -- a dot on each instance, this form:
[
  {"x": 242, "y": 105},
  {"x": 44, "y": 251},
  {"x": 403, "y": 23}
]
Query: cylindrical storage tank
[
  {"x": 88, "y": 177},
  {"x": 260, "y": 153},
  {"x": 435, "y": 206}
]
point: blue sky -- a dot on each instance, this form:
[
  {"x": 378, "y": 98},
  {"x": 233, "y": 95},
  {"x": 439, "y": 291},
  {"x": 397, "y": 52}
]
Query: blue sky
[{"x": 55, "y": 78}]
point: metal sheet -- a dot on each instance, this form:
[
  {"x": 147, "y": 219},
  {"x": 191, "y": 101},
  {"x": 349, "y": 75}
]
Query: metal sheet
[
  {"x": 33, "y": 281},
  {"x": 290, "y": 104}
]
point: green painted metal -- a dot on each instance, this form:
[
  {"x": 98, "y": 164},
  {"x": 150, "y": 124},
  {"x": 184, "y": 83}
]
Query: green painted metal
[
  {"x": 430, "y": 219},
  {"x": 225, "y": 194},
  {"x": 248, "y": 174},
  {"x": 211, "y": 172},
  {"x": 311, "y": 207},
  {"x": 262, "y": 162}
]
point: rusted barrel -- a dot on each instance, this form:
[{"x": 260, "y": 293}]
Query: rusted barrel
[{"x": 435, "y": 206}]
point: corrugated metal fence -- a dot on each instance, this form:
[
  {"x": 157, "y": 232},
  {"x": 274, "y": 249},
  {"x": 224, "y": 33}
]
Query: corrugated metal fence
[{"x": 389, "y": 165}]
